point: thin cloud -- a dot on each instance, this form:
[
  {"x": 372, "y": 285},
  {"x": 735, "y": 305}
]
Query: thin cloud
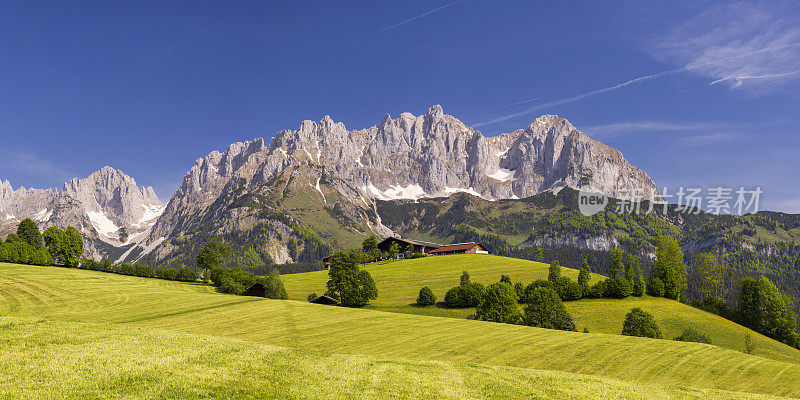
[
  {"x": 738, "y": 28},
  {"x": 740, "y": 79},
  {"x": 712, "y": 138},
  {"x": 630, "y": 127},
  {"x": 720, "y": 53},
  {"x": 372, "y": 35}
]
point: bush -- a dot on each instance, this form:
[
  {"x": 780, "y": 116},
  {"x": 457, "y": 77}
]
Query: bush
[
  {"x": 641, "y": 323},
  {"x": 186, "y": 274},
  {"x": 655, "y": 288},
  {"x": 228, "y": 285},
  {"x": 617, "y": 288},
  {"x": 598, "y": 290},
  {"x": 499, "y": 304},
  {"x": 568, "y": 289},
  {"x": 691, "y": 335},
  {"x": 426, "y": 297},
  {"x": 545, "y": 310},
  {"x": 311, "y": 297},
  {"x": 464, "y": 296}
]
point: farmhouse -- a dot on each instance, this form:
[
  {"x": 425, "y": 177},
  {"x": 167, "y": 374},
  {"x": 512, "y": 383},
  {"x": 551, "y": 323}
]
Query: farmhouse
[
  {"x": 419, "y": 246},
  {"x": 460, "y": 248},
  {"x": 433, "y": 249}
]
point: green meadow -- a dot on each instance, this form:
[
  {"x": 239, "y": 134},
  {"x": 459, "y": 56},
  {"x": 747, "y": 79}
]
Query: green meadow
[
  {"x": 399, "y": 283},
  {"x": 69, "y": 333}
]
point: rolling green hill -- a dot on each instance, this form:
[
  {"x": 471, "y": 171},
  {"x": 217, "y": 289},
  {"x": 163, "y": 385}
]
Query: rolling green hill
[
  {"x": 399, "y": 283},
  {"x": 62, "y": 315},
  {"x": 55, "y": 359}
]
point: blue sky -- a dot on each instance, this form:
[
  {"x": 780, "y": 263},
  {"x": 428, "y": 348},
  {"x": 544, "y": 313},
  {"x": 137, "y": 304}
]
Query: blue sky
[{"x": 695, "y": 93}]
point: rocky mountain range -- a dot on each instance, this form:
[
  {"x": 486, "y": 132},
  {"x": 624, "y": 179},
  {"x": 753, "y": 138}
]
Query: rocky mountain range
[
  {"x": 107, "y": 207},
  {"x": 326, "y": 178},
  {"x": 316, "y": 187}
]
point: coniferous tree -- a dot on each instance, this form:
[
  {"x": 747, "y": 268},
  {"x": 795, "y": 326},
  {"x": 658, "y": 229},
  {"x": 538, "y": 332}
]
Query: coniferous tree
[
  {"x": 554, "y": 272},
  {"x": 616, "y": 268},
  {"x": 585, "y": 275}
]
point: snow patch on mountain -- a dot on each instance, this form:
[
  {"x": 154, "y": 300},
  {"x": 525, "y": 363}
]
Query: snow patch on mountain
[
  {"x": 502, "y": 175},
  {"x": 104, "y": 226}
]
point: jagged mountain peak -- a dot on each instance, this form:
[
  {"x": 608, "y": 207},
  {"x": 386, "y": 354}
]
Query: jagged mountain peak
[
  {"x": 407, "y": 157},
  {"x": 108, "y": 207}
]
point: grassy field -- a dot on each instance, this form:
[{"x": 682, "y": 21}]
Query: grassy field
[
  {"x": 48, "y": 359},
  {"x": 510, "y": 360},
  {"x": 399, "y": 283}
]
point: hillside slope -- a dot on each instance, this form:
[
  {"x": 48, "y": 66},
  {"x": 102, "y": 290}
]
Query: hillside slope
[
  {"x": 51, "y": 359},
  {"x": 85, "y": 296},
  {"x": 399, "y": 283}
]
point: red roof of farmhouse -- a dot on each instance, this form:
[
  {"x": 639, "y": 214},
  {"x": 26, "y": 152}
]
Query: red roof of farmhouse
[{"x": 455, "y": 247}]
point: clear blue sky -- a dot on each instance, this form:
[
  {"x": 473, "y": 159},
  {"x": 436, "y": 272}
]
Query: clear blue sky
[{"x": 150, "y": 86}]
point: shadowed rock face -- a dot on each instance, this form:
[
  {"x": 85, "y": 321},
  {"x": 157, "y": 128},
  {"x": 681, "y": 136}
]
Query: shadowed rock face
[
  {"x": 107, "y": 207},
  {"x": 407, "y": 157}
]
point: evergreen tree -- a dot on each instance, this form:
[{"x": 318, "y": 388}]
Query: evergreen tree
[
  {"x": 274, "y": 286},
  {"x": 426, "y": 297},
  {"x": 464, "y": 278},
  {"x": 250, "y": 260},
  {"x": 585, "y": 275},
  {"x": 554, "y": 272},
  {"x": 29, "y": 233},
  {"x": 616, "y": 268}
]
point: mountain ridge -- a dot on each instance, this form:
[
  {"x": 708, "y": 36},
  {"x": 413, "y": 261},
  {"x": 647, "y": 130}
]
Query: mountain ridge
[{"x": 343, "y": 172}]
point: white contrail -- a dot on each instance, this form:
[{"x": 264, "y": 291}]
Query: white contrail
[
  {"x": 740, "y": 78},
  {"x": 627, "y": 83},
  {"x": 412, "y": 19},
  {"x": 578, "y": 97},
  {"x": 517, "y": 103}
]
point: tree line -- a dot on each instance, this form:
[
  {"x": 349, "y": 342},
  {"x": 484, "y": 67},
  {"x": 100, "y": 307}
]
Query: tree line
[{"x": 29, "y": 246}]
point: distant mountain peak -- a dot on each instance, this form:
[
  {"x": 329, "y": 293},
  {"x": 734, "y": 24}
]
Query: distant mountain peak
[{"x": 107, "y": 207}]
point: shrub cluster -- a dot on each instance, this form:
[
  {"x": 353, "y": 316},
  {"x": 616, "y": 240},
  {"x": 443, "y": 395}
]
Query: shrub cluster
[
  {"x": 466, "y": 294},
  {"x": 691, "y": 335}
]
